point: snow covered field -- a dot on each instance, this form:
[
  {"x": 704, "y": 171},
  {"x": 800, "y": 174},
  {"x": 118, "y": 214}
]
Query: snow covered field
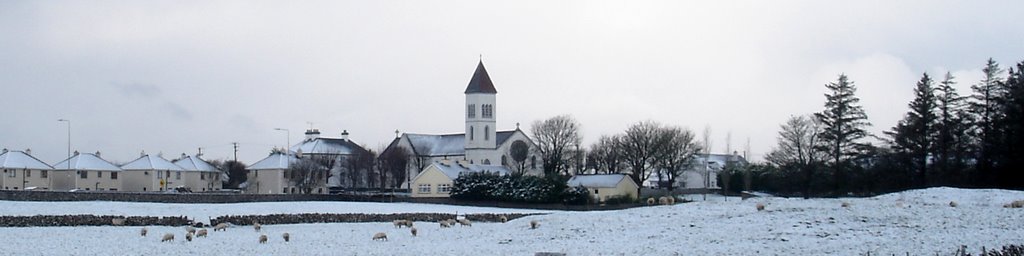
[{"x": 919, "y": 222}]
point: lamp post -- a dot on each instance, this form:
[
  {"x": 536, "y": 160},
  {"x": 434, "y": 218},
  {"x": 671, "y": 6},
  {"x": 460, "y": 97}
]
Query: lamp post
[
  {"x": 288, "y": 140},
  {"x": 69, "y": 150}
]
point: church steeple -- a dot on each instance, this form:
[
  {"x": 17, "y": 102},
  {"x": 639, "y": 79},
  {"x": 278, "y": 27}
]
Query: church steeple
[{"x": 481, "y": 81}]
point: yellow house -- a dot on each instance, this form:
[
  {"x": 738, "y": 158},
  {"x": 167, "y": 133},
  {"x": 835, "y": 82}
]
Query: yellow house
[
  {"x": 200, "y": 176},
  {"x": 603, "y": 186},
  {"x": 150, "y": 173},
  {"x": 436, "y": 180},
  {"x": 86, "y": 171},
  {"x": 22, "y": 171}
]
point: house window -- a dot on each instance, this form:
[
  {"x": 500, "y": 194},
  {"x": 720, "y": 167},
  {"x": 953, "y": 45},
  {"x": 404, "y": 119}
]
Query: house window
[
  {"x": 113, "y": 189},
  {"x": 99, "y": 174},
  {"x": 444, "y": 188},
  {"x": 504, "y": 160},
  {"x": 11, "y": 173},
  {"x": 424, "y": 189},
  {"x": 487, "y": 132},
  {"x": 28, "y": 173},
  {"x": 471, "y": 111},
  {"x": 83, "y": 174},
  {"x": 177, "y": 175},
  {"x": 159, "y": 174},
  {"x": 43, "y": 174},
  {"x": 113, "y": 175},
  {"x": 202, "y": 176},
  {"x": 595, "y": 191}
]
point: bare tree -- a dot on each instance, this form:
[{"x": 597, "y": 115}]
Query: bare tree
[
  {"x": 676, "y": 150},
  {"x": 518, "y": 152},
  {"x": 393, "y": 163},
  {"x": 606, "y": 155},
  {"x": 639, "y": 146},
  {"x": 309, "y": 173},
  {"x": 797, "y": 148},
  {"x": 706, "y": 175},
  {"x": 357, "y": 165},
  {"x": 555, "y": 138}
]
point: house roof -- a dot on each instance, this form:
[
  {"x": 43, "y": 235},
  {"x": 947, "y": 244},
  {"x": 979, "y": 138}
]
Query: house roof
[
  {"x": 481, "y": 81},
  {"x": 194, "y": 163},
  {"x": 597, "y": 180},
  {"x": 21, "y": 160},
  {"x": 86, "y": 161},
  {"x": 329, "y": 146},
  {"x": 453, "y": 169},
  {"x": 148, "y": 162},
  {"x": 275, "y": 161},
  {"x": 447, "y": 144}
]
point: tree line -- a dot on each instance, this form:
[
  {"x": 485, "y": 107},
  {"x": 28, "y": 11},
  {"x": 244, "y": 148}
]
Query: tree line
[{"x": 944, "y": 139}]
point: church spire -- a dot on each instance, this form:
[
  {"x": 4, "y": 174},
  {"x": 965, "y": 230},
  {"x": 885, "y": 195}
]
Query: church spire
[{"x": 481, "y": 81}]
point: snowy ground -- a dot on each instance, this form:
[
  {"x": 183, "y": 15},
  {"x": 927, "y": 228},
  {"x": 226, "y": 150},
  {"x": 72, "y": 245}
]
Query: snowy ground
[{"x": 919, "y": 222}]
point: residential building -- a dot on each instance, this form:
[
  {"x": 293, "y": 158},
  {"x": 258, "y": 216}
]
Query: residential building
[
  {"x": 437, "y": 179},
  {"x": 337, "y": 150},
  {"x": 84, "y": 171},
  {"x": 273, "y": 175},
  {"x": 22, "y": 171},
  {"x": 151, "y": 173},
  {"x": 200, "y": 176},
  {"x": 604, "y": 186}
]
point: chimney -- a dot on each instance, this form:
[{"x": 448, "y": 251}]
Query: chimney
[
  {"x": 97, "y": 153},
  {"x": 76, "y": 153},
  {"x": 142, "y": 154},
  {"x": 344, "y": 135},
  {"x": 28, "y": 151},
  {"x": 183, "y": 155},
  {"x": 5, "y": 151},
  {"x": 312, "y": 134}
]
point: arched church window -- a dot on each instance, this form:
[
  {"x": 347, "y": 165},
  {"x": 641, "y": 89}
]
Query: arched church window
[
  {"x": 470, "y": 133},
  {"x": 487, "y": 132},
  {"x": 471, "y": 111},
  {"x": 533, "y": 162},
  {"x": 504, "y": 160},
  {"x": 487, "y": 161}
]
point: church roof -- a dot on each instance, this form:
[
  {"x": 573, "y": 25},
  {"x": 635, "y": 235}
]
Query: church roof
[
  {"x": 481, "y": 81},
  {"x": 447, "y": 144},
  {"x": 454, "y": 169}
]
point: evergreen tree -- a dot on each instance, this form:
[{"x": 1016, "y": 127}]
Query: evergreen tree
[
  {"x": 912, "y": 137},
  {"x": 844, "y": 123},
  {"x": 1012, "y": 169},
  {"x": 986, "y": 107},
  {"x": 951, "y": 140}
]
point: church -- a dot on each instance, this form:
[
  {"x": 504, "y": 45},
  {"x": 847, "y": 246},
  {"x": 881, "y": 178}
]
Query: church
[{"x": 480, "y": 144}]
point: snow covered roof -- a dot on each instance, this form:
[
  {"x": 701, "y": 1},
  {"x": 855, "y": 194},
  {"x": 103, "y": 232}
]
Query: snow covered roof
[
  {"x": 21, "y": 160},
  {"x": 720, "y": 159},
  {"x": 148, "y": 162},
  {"x": 86, "y": 161},
  {"x": 330, "y": 146},
  {"x": 453, "y": 169},
  {"x": 447, "y": 144},
  {"x": 275, "y": 161},
  {"x": 194, "y": 163},
  {"x": 597, "y": 180}
]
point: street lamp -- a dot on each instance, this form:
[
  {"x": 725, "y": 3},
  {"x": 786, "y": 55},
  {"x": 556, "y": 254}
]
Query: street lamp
[
  {"x": 69, "y": 149},
  {"x": 288, "y": 139}
]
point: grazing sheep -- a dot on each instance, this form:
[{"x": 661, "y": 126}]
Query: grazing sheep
[
  {"x": 380, "y": 236},
  {"x": 534, "y": 224},
  {"x": 167, "y": 237},
  {"x": 1015, "y": 204},
  {"x": 222, "y": 226},
  {"x": 257, "y": 226},
  {"x": 663, "y": 200},
  {"x": 263, "y": 239},
  {"x": 465, "y": 222},
  {"x": 188, "y": 236},
  {"x": 117, "y": 221},
  {"x": 671, "y": 200},
  {"x": 201, "y": 232},
  {"x": 287, "y": 237},
  {"x": 760, "y": 207},
  {"x": 143, "y": 231},
  {"x": 650, "y": 201},
  {"x": 845, "y": 204},
  {"x": 952, "y": 204},
  {"x": 445, "y": 224},
  {"x": 401, "y": 223},
  {"x": 503, "y": 218},
  {"x": 413, "y": 230},
  {"x": 190, "y": 229}
]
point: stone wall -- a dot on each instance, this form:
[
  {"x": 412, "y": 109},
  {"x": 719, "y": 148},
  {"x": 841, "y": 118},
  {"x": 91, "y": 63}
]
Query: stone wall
[{"x": 89, "y": 220}]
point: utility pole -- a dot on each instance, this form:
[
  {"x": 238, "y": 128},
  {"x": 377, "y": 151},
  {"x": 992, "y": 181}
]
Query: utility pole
[{"x": 235, "y": 144}]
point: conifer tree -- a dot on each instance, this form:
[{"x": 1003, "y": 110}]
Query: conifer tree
[
  {"x": 844, "y": 123},
  {"x": 912, "y": 137},
  {"x": 951, "y": 140},
  {"x": 985, "y": 106}
]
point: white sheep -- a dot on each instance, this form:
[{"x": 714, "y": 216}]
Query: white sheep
[
  {"x": 257, "y": 226},
  {"x": 143, "y": 231},
  {"x": 188, "y": 236},
  {"x": 190, "y": 229},
  {"x": 663, "y": 200},
  {"x": 534, "y": 224},
  {"x": 286, "y": 236},
  {"x": 380, "y": 236},
  {"x": 952, "y": 204},
  {"x": 650, "y": 201},
  {"x": 503, "y": 218},
  {"x": 465, "y": 222},
  {"x": 845, "y": 204},
  {"x": 401, "y": 223},
  {"x": 117, "y": 221},
  {"x": 760, "y": 207},
  {"x": 167, "y": 237},
  {"x": 221, "y": 226},
  {"x": 671, "y": 200},
  {"x": 263, "y": 239},
  {"x": 1015, "y": 204},
  {"x": 445, "y": 224},
  {"x": 413, "y": 230},
  {"x": 201, "y": 232}
]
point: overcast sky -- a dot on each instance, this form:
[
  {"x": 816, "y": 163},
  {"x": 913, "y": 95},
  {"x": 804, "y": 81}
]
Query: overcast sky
[{"x": 174, "y": 76}]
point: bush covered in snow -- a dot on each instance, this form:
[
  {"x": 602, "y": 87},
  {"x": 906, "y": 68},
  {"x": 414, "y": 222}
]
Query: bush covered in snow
[{"x": 485, "y": 186}]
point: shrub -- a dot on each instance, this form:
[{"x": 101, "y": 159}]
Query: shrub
[{"x": 506, "y": 188}]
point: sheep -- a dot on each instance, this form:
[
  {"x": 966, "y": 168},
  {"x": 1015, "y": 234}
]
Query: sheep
[
  {"x": 503, "y": 219},
  {"x": 952, "y": 204},
  {"x": 445, "y": 224},
  {"x": 465, "y": 222},
  {"x": 167, "y": 237},
  {"x": 671, "y": 200},
  {"x": 221, "y": 226},
  {"x": 257, "y": 226},
  {"x": 287, "y": 237},
  {"x": 534, "y": 224},
  {"x": 380, "y": 236},
  {"x": 263, "y": 239},
  {"x": 413, "y": 231},
  {"x": 663, "y": 200},
  {"x": 201, "y": 232},
  {"x": 760, "y": 207},
  {"x": 143, "y": 231},
  {"x": 400, "y": 223},
  {"x": 188, "y": 236},
  {"x": 190, "y": 229},
  {"x": 117, "y": 221},
  {"x": 650, "y": 201},
  {"x": 845, "y": 204}
]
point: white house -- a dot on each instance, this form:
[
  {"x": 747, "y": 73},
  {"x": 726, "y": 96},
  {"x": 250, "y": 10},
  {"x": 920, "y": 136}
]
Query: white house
[
  {"x": 200, "y": 175},
  {"x": 341, "y": 149},
  {"x": 604, "y": 186},
  {"x": 437, "y": 179},
  {"x": 86, "y": 171},
  {"x": 21, "y": 170},
  {"x": 481, "y": 143},
  {"x": 703, "y": 172},
  {"x": 271, "y": 175},
  {"x": 151, "y": 173}
]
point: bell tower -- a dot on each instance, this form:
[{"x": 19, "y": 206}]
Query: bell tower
[{"x": 481, "y": 117}]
